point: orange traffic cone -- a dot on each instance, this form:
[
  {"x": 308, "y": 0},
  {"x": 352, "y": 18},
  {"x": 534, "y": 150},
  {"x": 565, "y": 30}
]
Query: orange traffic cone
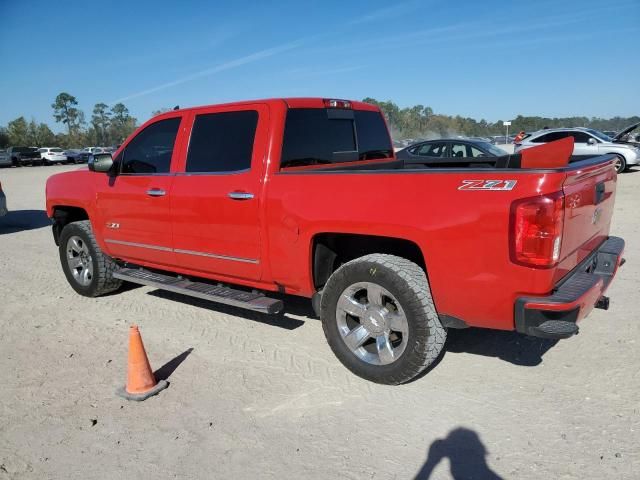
[{"x": 141, "y": 383}]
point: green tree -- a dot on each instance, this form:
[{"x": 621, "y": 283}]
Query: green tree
[
  {"x": 101, "y": 120},
  {"x": 160, "y": 110},
  {"x": 18, "y": 131},
  {"x": 122, "y": 124},
  {"x": 4, "y": 137},
  {"x": 65, "y": 111},
  {"x": 39, "y": 135}
]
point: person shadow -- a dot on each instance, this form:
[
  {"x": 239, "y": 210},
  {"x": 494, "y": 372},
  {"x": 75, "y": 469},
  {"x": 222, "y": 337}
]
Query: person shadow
[{"x": 466, "y": 454}]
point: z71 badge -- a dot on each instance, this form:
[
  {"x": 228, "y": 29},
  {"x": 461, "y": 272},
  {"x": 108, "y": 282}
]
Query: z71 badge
[{"x": 499, "y": 185}]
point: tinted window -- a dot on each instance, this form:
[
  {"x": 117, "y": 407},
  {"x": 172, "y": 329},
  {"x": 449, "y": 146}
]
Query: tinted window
[
  {"x": 319, "y": 136},
  {"x": 459, "y": 150},
  {"x": 437, "y": 149},
  {"x": 372, "y": 135},
  {"x": 150, "y": 151},
  {"x": 222, "y": 142},
  {"x": 580, "y": 137},
  {"x": 550, "y": 137}
]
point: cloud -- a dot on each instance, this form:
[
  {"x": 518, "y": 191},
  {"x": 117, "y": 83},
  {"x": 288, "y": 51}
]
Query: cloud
[{"x": 254, "y": 57}]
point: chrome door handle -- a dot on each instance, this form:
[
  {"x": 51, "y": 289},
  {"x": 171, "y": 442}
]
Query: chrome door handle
[
  {"x": 240, "y": 195},
  {"x": 156, "y": 192}
]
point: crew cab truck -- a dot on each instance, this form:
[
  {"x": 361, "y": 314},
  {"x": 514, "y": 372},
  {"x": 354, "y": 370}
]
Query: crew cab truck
[{"x": 305, "y": 197}]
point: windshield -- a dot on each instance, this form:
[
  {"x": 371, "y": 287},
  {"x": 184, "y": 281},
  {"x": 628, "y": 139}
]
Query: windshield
[
  {"x": 56, "y": 150},
  {"x": 24, "y": 149},
  {"x": 492, "y": 149},
  {"x": 600, "y": 135}
]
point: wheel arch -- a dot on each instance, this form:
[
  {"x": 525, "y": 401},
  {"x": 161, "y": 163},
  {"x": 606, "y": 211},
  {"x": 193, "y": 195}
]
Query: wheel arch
[
  {"x": 65, "y": 214},
  {"x": 329, "y": 250}
]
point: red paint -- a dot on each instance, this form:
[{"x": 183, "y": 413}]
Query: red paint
[
  {"x": 464, "y": 235},
  {"x": 549, "y": 155}
]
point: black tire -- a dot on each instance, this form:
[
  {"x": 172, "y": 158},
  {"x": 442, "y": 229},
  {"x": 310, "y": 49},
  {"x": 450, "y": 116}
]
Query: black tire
[
  {"x": 16, "y": 162},
  {"x": 102, "y": 281},
  {"x": 622, "y": 165},
  {"x": 408, "y": 283}
]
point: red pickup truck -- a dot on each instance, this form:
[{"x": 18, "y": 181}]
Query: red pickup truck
[{"x": 305, "y": 197}]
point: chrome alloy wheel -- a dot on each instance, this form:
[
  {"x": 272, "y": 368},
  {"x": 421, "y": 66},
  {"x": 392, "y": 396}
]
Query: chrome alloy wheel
[
  {"x": 618, "y": 164},
  {"x": 372, "y": 323},
  {"x": 79, "y": 260}
]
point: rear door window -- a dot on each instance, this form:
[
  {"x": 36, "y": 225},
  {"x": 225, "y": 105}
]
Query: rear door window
[
  {"x": 315, "y": 136},
  {"x": 437, "y": 149},
  {"x": 222, "y": 142}
]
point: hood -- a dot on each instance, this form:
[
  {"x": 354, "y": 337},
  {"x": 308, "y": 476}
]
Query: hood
[{"x": 626, "y": 131}]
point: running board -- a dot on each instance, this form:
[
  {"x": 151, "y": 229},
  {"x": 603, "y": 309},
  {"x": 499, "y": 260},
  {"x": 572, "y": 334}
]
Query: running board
[{"x": 216, "y": 293}]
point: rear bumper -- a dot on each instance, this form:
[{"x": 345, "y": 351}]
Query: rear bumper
[{"x": 557, "y": 315}]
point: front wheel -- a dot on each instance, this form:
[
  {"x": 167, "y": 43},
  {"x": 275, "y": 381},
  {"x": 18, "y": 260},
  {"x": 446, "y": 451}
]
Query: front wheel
[
  {"x": 88, "y": 270},
  {"x": 620, "y": 164},
  {"x": 379, "y": 318}
]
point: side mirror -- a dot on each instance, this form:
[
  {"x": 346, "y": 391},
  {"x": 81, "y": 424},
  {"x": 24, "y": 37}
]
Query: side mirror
[
  {"x": 100, "y": 162},
  {"x": 592, "y": 141}
]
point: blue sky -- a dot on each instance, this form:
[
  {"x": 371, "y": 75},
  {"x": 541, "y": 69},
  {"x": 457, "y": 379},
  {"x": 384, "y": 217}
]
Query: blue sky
[{"x": 485, "y": 59}]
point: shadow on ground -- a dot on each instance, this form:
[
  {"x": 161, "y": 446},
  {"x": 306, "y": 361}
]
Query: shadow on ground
[
  {"x": 292, "y": 306},
  {"x": 466, "y": 453},
  {"x": 511, "y": 347},
  {"x": 21, "y": 220},
  {"x": 165, "y": 371}
]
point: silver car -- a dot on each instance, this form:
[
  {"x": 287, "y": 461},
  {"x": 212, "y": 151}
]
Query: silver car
[
  {"x": 588, "y": 143},
  {"x": 5, "y": 159}
]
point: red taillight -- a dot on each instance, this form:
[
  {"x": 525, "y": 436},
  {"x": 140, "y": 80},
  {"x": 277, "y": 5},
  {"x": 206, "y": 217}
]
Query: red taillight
[
  {"x": 334, "y": 103},
  {"x": 536, "y": 230}
]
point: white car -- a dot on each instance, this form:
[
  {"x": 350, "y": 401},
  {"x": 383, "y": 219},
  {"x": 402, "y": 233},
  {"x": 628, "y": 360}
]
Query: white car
[
  {"x": 50, "y": 156},
  {"x": 588, "y": 143}
]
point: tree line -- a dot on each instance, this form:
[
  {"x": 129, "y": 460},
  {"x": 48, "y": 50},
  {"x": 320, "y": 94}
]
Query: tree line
[
  {"x": 421, "y": 122},
  {"x": 107, "y": 126},
  {"x": 111, "y": 125}
]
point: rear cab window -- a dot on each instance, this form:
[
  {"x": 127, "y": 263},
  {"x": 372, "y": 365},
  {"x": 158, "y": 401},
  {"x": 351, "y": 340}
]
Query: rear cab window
[{"x": 318, "y": 136}]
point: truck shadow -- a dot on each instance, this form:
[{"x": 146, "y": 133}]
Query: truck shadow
[
  {"x": 511, "y": 347},
  {"x": 21, "y": 220},
  {"x": 292, "y": 306},
  {"x": 466, "y": 454}
]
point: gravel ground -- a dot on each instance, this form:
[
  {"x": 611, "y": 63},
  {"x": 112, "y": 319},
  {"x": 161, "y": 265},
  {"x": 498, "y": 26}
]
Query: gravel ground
[{"x": 253, "y": 396}]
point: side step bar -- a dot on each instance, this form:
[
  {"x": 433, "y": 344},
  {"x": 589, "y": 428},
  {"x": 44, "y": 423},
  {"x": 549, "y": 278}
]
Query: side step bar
[{"x": 216, "y": 293}]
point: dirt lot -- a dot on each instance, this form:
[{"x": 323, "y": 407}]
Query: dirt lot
[{"x": 258, "y": 397}]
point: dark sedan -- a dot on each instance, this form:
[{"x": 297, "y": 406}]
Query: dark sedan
[
  {"x": 76, "y": 156},
  {"x": 449, "y": 152}
]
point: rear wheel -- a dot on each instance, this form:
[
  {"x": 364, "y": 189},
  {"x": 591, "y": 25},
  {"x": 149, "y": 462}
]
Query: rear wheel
[
  {"x": 88, "y": 270},
  {"x": 379, "y": 318}
]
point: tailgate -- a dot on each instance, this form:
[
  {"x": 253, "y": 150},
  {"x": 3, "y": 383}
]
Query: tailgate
[{"x": 589, "y": 197}]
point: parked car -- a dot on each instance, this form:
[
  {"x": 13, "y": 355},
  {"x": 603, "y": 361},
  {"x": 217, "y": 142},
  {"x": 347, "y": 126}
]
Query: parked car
[
  {"x": 445, "y": 153},
  {"x": 21, "y": 156},
  {"x": 76, "y": 156},
  {"x": 282, "y": 196},
  {"x": 51, "y": 155},
  {"x": 588, "y": 143},
  {"x": 3, "y": 202},
  {"x": 5, "y": 159},
  {"x": 629, "y": 135}
]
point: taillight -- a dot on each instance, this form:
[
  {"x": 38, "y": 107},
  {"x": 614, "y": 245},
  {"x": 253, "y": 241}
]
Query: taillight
[
  {"x": 334, "y": 103},
  {"x": 536, "y": 230}
]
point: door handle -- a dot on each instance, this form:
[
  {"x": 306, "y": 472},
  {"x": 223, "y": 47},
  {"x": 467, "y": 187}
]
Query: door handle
[
  {"x": 240, "y": 195},
  {"x": 156, "y": 192}
]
